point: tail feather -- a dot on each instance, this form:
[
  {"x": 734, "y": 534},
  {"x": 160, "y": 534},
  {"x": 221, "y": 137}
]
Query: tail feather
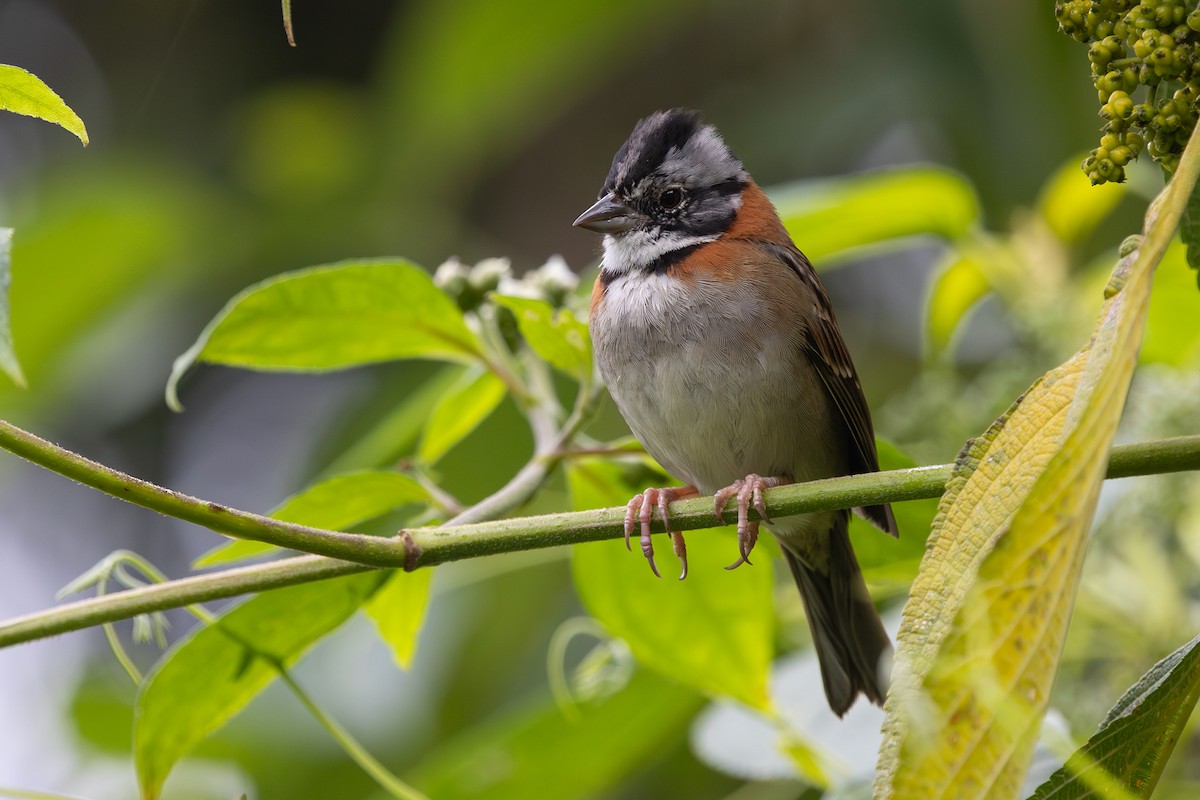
[{"x": 846, "y": 629}]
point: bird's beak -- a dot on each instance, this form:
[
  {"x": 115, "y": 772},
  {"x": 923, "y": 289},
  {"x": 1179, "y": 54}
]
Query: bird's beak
[{"x": 609, "y": 215}]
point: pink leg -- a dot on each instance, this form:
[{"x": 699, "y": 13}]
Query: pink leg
[
  {"x": 749, "y": 491},
  {"x": 640, "y": 510}
]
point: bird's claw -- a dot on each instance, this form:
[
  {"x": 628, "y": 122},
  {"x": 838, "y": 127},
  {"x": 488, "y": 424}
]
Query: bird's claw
[
  {"x": 749, "y": 492},
  {"x": 746, "y": 543},
  {"x": 680, "y": 548},
  {"x": 639, "y": 511}
]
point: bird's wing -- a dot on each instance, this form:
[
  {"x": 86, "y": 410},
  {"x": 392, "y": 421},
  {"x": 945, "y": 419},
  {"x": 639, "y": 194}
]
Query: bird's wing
[{"x": 827, "y": 351}]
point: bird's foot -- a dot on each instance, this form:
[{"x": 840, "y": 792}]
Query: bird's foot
[
  {"x": 749, "y": 491},
  {"x": 639, "y": 511}
]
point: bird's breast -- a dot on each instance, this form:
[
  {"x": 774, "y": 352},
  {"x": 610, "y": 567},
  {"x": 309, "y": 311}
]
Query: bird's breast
[{"x": 711, "y": 378}]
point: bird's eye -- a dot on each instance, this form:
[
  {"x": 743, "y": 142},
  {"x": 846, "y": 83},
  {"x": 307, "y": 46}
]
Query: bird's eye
[{"x": 671, "y": 198}]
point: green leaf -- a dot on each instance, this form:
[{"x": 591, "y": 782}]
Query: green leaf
[
  {"x": 462, "y": 408},
  {"x": 398, "y": 609},
  {"x": 959, "y": 285},
  {"x": 1071, "y": 206},
  {"x": 1129, "y": 751},
  {"x": 332, "y": 317},
  {"x": 559, "y": 339},
  {"x": 347, "y": 500},
  {"x": 535, "y": 751},
  {"x": 213, "y": 672},
  {"x": 396, "y": 434},
  {"x": 1172, "y": 335},
  {"x": 105, "y": 231},
  {"x": 832, "y": 218},
  {"x": 982, "y": 632},
  {"x": 713, "y": 631},
  {"x": 335, "y": 504},
  {"x": 1189, "y": 230},
  {"x": 23, "y": 93},
  {"x": 8, "y": 356}
]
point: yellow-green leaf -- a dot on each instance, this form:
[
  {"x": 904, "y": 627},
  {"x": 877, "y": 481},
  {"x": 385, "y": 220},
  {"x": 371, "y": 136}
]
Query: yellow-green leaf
[
  {"x": 558, "y": 338},
  {"x": 211, "y": 674},
  {"x": 1172, "y": 335},
  {"x": 332, "y": 317},
  {"x": 8, "y": 356},
  {"x": 398, "y": 609},
  {"x": 713, "y": 631},
  {"x": 24, "y": 93},
  {"x": 982, "y": 632},
  {"x": 1126, "y": 756},
  {"x": 960, "y": 284},
  {"x": 830, "y": 218},
  {"x": 462, "y": 408},
  {"x": 1071, "y": 206},
  {"x": 1189, "y": 231}
]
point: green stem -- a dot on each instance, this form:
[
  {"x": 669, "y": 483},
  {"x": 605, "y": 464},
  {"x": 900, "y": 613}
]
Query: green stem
[
  {"x": 499, "y": 359},
  {"x": 1152, "y": 458},
  {"x": 373, "y": 550},
  {"x": 459, "y": 540},
  {"x": 174, "y": 594},
  {"x": 359, "y": 754},
  {"x": 1122, "y": 63}
]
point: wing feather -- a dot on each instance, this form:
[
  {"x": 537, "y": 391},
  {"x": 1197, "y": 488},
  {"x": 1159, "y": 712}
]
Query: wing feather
[{"x": 827, "y": 351}]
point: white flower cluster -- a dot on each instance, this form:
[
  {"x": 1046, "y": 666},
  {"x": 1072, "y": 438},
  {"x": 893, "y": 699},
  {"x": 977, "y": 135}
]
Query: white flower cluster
[{"x": 552, "y": 282}]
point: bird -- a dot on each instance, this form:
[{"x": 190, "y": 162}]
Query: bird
[{"x": 718, "y": 344}]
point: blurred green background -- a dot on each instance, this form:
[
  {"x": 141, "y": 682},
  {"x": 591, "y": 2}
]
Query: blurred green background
[{"x": 481, "y": 128}]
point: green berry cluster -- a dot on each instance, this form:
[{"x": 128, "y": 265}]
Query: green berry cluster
[{"x": 1155, "y": 45}]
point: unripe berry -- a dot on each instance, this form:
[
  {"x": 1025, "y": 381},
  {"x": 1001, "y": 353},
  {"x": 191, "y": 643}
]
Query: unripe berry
[
  {"x": 1099, "y": 55},
  {"x": 1108, "y": 83},
  {"x": 1121, "y": 155},
  {"x": 1119, "y": 106}
]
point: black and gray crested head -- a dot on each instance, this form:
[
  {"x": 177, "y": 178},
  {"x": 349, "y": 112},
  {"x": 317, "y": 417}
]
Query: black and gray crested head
[
  {"x": 673, "y": 147},
  {"x": 674, "y": 184}
]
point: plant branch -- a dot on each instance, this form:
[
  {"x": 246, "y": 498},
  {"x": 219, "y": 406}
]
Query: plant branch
[
  {"x": 459, "y": 540},
  {"x": 372, "y": 550}
]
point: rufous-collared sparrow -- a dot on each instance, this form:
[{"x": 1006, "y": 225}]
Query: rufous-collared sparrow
[{"x": 717, "y": 342}]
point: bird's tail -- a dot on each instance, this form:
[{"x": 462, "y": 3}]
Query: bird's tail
[{"x": 846, "y": 629}]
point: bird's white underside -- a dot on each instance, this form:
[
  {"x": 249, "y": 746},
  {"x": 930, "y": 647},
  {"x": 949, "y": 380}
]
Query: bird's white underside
[{"x": 706, "y": 387}]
